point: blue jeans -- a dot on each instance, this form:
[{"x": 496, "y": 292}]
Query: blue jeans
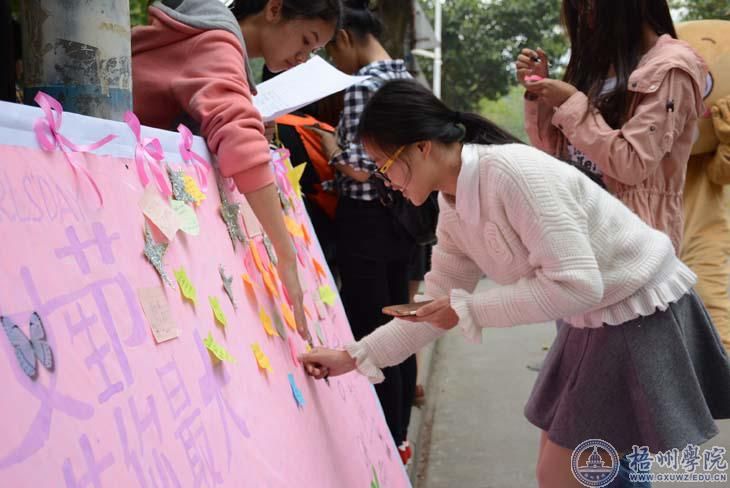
[{"x": 622, "y": 480}]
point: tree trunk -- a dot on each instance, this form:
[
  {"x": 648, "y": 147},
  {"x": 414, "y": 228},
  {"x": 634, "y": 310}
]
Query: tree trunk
[{"x": 397, "y": 16}]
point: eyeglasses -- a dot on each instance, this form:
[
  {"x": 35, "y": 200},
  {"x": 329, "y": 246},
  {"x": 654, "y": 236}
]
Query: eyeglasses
[{"x": 381, "y": 172}]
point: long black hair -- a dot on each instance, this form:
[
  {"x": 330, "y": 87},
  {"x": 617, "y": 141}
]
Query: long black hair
[
  {"x": 327, "y": 10},
  {"x": 405, "y": 112},
  {"x": 605, "y": 34},
  {"x": 359, "y": 20}
]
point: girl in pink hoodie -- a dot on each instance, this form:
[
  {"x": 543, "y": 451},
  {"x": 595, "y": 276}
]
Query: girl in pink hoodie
[
  {"x": 627, "y": 107},
  {"x": 191, "y": 64}
]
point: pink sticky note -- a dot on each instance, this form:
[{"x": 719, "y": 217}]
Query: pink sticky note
[
  {"x": 293, "y": 350},
  {"x": 159, "y": 212},
  {"x": 533, "y": 78}
]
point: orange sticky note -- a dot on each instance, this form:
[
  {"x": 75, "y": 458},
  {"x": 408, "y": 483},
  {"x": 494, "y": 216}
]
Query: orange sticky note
[
  {"x": 318, "y": 268},
  {"x": 307, "y": 237},
  {"x": 274, "y": 272},
  {"x": 266, "y": 322},
  {"x": 307, "y": 313},
  {"x": 261, "y": 359},
  {"x": 288, "y": 316},
  {"x": 247, "y": 281},
  {"x": 255, "y": 253},
  {"x": 270, "y": 286}
]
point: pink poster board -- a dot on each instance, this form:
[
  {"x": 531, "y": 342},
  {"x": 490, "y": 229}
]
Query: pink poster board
[{"x": 118, "y": 409}]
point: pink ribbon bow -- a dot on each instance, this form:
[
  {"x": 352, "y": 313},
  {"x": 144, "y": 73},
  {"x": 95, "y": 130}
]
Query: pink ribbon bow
[
  {"x": 47, "y": 131},
  {"x": 149, "y": 151},
  {"x": 190, "y": 156}
]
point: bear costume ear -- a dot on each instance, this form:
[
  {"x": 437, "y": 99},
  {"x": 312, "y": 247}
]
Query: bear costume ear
[{"x": 711, "y": 39}]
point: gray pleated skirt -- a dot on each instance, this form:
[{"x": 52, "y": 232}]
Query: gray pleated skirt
[{"x": 656, "y": 381}]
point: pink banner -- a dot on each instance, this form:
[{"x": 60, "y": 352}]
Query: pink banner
[{"x": 117, "y": 408}]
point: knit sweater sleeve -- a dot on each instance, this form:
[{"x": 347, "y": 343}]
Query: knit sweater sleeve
[
  {"x": 392, "y": 343},
  {"x": 566, "y": 280}
]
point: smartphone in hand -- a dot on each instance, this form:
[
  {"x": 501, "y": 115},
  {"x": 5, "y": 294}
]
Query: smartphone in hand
[{"x": 405, "y": 310}]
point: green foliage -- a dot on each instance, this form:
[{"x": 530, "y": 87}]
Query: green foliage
[
  {"x": 138, "y": 12},
  {"x": 702, "y": 9},
  {"x": 481, "y": 40},
  {"x": 507, "y": 112}
]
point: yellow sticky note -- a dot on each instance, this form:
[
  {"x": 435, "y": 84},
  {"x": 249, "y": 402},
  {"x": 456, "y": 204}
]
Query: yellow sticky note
[
  {"x": 261, "y": 359},
  {"x": 307, "y": 347},
  {"x": 295, "y": 176},
  {"x": 217, "y": 350},
  {"x": 191, "y": 186},
  {"x": 266, "y": 322},
  {"x": 186, "y": 286},
  {"x": 218, "y": 311},
  {"x": 293, "y": 227},
  {"x": 269, "y": 283},
  {"x": 288, "y": 316},
  {"x": 186, "y": 217},
  {"x": 255, "y": 253},
  {"x": 327, "y": 295}
]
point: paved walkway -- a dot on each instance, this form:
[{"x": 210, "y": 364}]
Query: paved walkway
[{"x": 472, "y": 431}]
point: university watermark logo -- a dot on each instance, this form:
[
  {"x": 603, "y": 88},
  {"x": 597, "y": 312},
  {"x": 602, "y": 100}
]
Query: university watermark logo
[
  {"x": 594, "y": 463},
  {"x": 689, "y": 465}
]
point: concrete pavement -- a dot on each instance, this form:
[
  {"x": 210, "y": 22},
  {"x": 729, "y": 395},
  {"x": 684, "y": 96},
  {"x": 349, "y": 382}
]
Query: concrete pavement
[{"x": 472, "y": 433}]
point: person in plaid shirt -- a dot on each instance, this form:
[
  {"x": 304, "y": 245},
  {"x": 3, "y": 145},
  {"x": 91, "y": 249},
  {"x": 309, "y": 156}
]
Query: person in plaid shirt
[{"x": 372, "y": 250}]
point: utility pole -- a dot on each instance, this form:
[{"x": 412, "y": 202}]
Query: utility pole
[
  {"x": 435, "y": 54},
  {"x": 79, "y": 52}
]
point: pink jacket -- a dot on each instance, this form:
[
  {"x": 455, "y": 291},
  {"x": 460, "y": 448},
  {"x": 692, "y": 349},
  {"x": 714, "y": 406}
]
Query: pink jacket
[
  {"x": 182, "y": 70},
  {"x": 644, "y": 163}
]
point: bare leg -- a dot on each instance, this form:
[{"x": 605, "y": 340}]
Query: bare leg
[{"x": 553, "y": 467}]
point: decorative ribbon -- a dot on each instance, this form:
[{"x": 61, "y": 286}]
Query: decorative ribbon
[
  {"x": 149, "y": 151},
  {"x": 47, "y": 131},
  {"x": 190, "y": 156}
]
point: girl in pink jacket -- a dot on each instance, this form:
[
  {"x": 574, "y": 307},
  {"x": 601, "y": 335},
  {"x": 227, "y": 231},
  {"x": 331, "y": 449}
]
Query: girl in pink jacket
[
  {"x": 627, "y": 107},
  {"x": 191, "y": 64}
]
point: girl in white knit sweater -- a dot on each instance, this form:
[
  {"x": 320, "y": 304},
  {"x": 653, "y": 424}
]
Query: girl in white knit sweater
[{"x": 640, "y": 363}]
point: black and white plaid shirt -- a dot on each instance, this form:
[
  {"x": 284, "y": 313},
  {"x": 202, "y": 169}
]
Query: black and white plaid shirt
[{"x": 353, "y": 154}]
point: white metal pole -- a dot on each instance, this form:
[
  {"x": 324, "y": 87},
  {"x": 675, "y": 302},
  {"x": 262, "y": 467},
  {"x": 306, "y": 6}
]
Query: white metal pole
[{"x": 437, "y": 50}]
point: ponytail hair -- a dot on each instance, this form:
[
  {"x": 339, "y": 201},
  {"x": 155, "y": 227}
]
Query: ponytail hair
[
  {"x": 404, "y": 112},
  {"x": 327, "y": 10},
  {"x": 359, "y": 20}
]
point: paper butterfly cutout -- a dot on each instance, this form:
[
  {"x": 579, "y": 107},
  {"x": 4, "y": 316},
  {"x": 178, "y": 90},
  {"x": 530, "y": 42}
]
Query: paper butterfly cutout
[
  {"x": 229, "y": 213},
  {"x": 29, "y": 351},
  {"x": 227, "y": 285},
  {"x": 177, "y": 180},
  {"x": 155, "y": 253}
]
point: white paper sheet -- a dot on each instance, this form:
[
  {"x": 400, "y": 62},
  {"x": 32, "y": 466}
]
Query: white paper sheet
[{"x": 301, "y": 86}]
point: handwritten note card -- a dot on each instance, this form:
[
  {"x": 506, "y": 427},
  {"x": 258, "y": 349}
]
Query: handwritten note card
[
  {"x": 157, "y": 310},
  {"x": 159, "y": 212}
]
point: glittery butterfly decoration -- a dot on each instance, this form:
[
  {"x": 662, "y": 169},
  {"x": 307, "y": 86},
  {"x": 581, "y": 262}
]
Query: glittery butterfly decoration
[
  {"x": 227, "y": 285},
  {"x": 229, "y": 212},
  {"x": 155, "y": 253},
  {"x": 179, "y": 191},
  {"x": 29, "y": 351},
  {"x": 270, "y": 250}
]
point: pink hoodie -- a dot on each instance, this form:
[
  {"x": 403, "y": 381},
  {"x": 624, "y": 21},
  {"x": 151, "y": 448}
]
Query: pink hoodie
[{"x": 180, "y": 70}]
